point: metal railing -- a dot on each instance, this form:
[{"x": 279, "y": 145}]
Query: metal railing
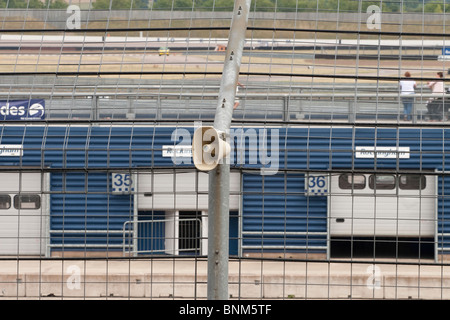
[
  {"x": 70, "y": 240},
  {"x": 162, "y": 236},
  {"x": 345, "y": 106}
]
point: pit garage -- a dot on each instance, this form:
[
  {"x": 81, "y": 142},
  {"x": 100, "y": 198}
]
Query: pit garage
[
  {"x": 23, "y": 213},
  {"x": 396, "y": 213},
  {"x": 172, "y": 212}
]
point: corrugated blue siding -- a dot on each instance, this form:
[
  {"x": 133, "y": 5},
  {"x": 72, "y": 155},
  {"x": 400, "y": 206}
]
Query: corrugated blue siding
[
  {"x": 323, "y": 148},
  {"x": 83, "y": 202},
  {"x": 151, "y": 232},
  {"x": 300, "y": 148},
  {"x": 277, "y": 216},
  {"x": 88, "y": 147},
  {"x": 275, "y": 211}
]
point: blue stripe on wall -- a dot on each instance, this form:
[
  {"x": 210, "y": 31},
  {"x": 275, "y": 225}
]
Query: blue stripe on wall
[{"x": 301, "y": 148}]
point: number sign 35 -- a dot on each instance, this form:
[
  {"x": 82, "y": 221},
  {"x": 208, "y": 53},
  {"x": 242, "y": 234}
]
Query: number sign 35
[{"x": 121, "y": 183}]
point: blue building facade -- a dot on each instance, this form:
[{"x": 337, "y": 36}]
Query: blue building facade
[{"x": 275, "y": 213}]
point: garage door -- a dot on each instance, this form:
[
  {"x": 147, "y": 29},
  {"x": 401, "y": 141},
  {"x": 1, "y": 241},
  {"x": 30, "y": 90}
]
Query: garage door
[
  {"x": 22, "y": 222},
  {"x": 382, "y": 205},
  {"x": 180, "y": 191}
]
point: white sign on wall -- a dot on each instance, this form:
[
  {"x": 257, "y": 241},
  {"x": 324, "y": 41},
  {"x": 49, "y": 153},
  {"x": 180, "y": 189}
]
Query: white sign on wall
[
  {"x": 177, "y": 151},
  {"x": 122, "y": 183},
  {"x": 316, "y": 184},
  {"x": 382, "y": 152},
  {"x": 11, "y": 150}
]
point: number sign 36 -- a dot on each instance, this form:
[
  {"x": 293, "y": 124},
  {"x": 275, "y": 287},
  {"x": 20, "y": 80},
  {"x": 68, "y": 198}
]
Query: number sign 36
[{"x": 316, "y": 184}]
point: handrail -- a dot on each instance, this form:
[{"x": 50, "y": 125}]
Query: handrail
[
  {"x": 285, "y": 106},
  {"x": 129, "y": 227},
  {"x": 257, "y": 96},
  {"x": 86, "y": 245}
]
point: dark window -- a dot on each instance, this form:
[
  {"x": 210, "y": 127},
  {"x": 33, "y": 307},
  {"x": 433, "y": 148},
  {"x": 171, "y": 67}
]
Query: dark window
[
  {"x": 412, "y": 182},
  {"x": 27, "y": 201},
  {"x": 189, "y": 228},
  {"x": 5, "y": 201},
  {"x": 382, "y": 182},
  {"x": 352, "y": 181}
]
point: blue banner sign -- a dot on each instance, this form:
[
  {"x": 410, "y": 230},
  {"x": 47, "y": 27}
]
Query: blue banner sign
[
  {"x": 33, "y": 109},
  {"x": 445, "y": 51}
]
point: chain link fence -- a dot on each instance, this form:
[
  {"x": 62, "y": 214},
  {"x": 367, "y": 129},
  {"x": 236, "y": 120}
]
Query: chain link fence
[{"x": 338, "y": 182}]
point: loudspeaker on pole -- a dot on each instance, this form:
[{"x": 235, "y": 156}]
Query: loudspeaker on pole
[{"x": 209, "y": 148}]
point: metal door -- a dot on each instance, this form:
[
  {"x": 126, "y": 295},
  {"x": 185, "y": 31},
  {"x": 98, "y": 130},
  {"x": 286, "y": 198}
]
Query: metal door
[
  {"x": 392, "y": 205},
  {"x": 22, "y": 213}
]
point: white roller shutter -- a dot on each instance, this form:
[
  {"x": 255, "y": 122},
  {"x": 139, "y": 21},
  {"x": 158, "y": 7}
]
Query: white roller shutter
[
  {"x": 180, "y": 191},
  {"x": 22, "y": 213},
  {"x": 357, "y": 209}
]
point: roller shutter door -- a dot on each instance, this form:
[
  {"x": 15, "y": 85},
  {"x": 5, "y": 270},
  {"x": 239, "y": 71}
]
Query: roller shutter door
[
  {"x": 22, "y": 222},
  {"x": 383, "y": 205}
]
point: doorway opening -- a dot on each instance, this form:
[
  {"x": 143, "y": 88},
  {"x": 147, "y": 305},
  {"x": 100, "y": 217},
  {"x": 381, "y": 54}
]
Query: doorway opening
[
  {"x": 189, "y": 232},
  {"x": 382, "y": 247}
]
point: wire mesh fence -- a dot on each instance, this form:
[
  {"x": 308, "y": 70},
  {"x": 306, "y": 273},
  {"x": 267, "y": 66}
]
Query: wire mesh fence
[{"x": 338, "y": 150}]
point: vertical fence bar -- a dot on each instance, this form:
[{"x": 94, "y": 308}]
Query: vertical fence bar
[{"x": 219, "y": 178}]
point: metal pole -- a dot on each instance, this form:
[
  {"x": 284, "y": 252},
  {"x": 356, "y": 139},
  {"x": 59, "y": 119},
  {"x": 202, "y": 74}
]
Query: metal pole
[{"x": 219, "y": 178}]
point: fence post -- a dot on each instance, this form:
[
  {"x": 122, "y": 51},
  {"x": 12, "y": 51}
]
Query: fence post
[
  {"x": 158, "y": 108},
  {"x": 95, "y": 112},
  {"x": 219, "y": 178},
  {"x": 351, "y": 111},
  {"x": 285, "y": 108}
]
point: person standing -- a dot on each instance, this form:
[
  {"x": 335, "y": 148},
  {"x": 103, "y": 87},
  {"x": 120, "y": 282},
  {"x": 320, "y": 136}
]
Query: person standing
[
  {"x": 236, "y": 99},
  {"x": 435, "y": 106},
  {"x": 438, "y": 85},
  {"x": 407, "y": 87}
]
